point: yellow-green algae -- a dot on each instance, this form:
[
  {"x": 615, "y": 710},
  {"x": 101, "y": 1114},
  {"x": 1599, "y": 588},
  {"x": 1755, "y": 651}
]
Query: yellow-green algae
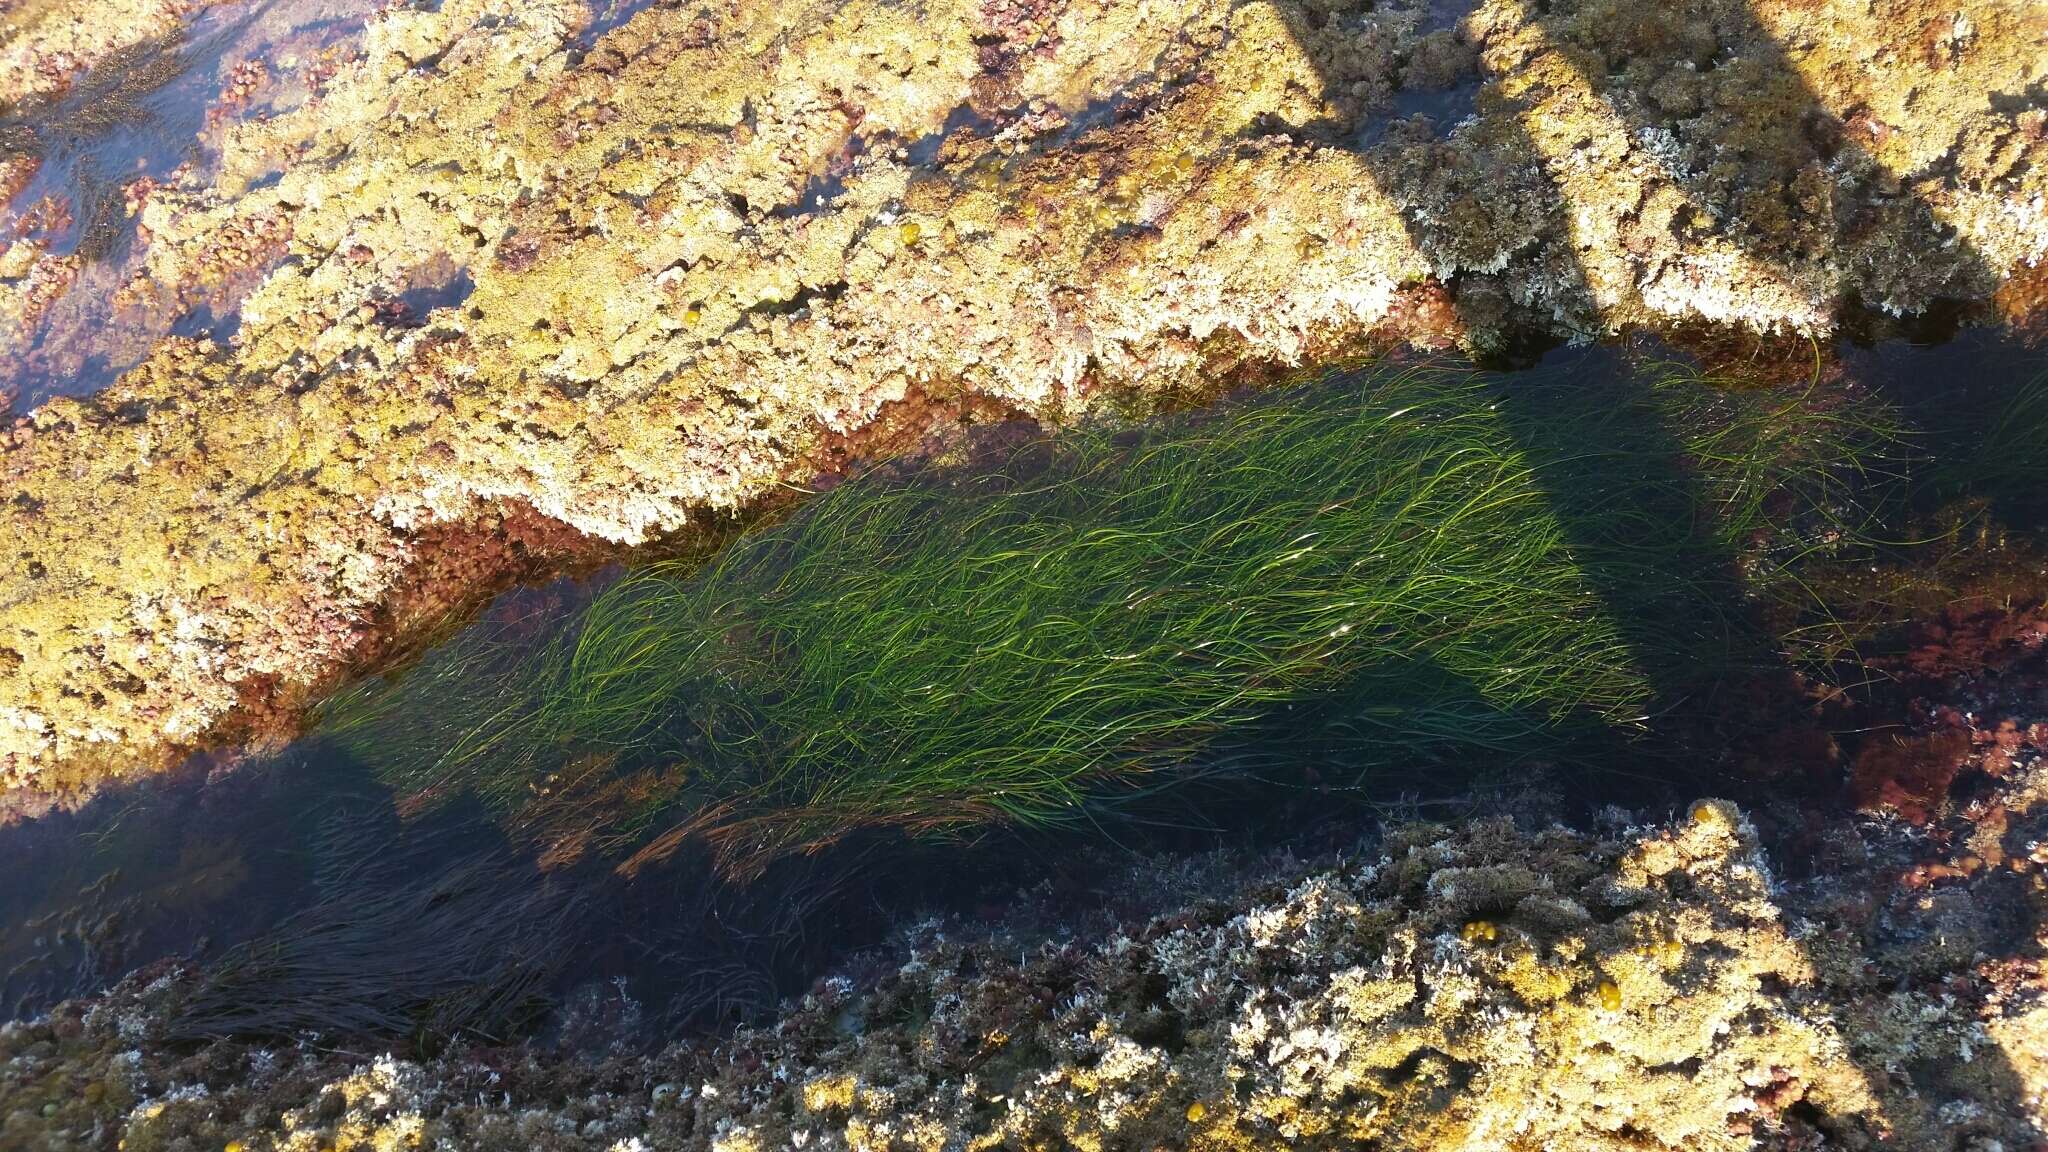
[{"x": 1133, "y": 196}]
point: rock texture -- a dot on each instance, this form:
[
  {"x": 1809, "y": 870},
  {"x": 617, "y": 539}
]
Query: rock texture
[
  {"x": 1479, "y": 985},
  {"x": 45, "y": 44},
  {"x": 509, "y": 292}
]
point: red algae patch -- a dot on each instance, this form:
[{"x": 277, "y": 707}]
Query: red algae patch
[{"x": 1910, "y": 775}]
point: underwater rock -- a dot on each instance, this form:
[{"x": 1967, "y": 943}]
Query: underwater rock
[
  {"x": 510, "y": 295},
  {"x": 1693, "y": 983}
]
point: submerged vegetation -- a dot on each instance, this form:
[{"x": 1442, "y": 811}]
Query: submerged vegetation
[
  {"x": 1383, "y": 564},
  {"x": 404, "y": 941}
]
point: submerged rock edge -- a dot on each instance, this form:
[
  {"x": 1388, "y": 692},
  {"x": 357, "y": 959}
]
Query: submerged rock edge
[{"x": 1512, "y": 984}]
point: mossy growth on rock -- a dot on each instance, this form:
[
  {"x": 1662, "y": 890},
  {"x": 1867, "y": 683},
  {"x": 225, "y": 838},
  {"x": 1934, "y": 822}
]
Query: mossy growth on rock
[{"x": 1378, "y": 565}]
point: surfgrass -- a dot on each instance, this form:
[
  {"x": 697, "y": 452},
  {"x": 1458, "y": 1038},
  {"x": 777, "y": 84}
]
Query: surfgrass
[
  {"x": 1406, "y": 559},
  {"x": 405, "y": 942}
]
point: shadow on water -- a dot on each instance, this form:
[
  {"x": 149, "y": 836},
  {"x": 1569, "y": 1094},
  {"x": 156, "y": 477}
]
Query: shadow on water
[
  {"x": 164, "y": 868},
  {"x": 1628, "y": 466},
  {"x": 1727, "y": 705},
  {"x": 432, "y": 930},
  {"x": 1785, "y": 128},
  {"x": 314, "y": 901}
]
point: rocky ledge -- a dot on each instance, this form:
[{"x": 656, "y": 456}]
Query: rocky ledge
[
  {"x": 513, "y": 288},
  {"x": 1490, "y": 983}
]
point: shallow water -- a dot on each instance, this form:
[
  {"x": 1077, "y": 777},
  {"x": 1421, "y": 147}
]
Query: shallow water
[
  {"x": 192, "y": 868},
  {"x": 199, "y": 868},
  {"x": 152, "y": 116},
  {"x": 211, "y": 862}
]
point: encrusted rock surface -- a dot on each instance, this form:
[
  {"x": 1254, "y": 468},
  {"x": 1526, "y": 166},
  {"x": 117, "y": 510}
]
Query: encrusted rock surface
[
  {"x": 1476, "y": 985},
  {"x": 1800, "y": 975},
  {"x": 523, "y": 292}
]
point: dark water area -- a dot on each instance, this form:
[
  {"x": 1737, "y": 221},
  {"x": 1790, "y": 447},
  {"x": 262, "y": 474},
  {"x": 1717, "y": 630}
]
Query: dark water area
[
  {"x": 306, "y": 876},
  {"x": 194, "y": 869},
  {"x": 322, "y": 897},
  {"x": 1443, "y": 108},
  {"x": 606, "y": 17},
  {"x": 1977, "y": 404},
  {"x": 1442, "y": 15},
  {"x": 320, "y": 903}
]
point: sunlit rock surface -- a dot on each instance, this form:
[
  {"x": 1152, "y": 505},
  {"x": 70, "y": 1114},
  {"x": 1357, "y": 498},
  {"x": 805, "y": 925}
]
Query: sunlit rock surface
[{"x": 494, "y": 286}]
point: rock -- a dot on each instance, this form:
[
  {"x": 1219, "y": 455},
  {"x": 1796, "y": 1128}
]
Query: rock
[
  {"x": 1323, "y": 1004},
  {"x": 726, "y": 248}
]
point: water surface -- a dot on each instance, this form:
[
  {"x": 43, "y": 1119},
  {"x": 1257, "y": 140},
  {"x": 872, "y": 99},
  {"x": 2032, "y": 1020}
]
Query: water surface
[{"x": 197, "y": 869}]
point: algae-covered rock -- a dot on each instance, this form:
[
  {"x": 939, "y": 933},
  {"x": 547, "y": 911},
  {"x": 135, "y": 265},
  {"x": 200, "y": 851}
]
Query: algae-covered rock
[
  {"x": 44, "y": 44},
  {"x": 524, "y": 294},
  {"x": 1660, "y": 985}
]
